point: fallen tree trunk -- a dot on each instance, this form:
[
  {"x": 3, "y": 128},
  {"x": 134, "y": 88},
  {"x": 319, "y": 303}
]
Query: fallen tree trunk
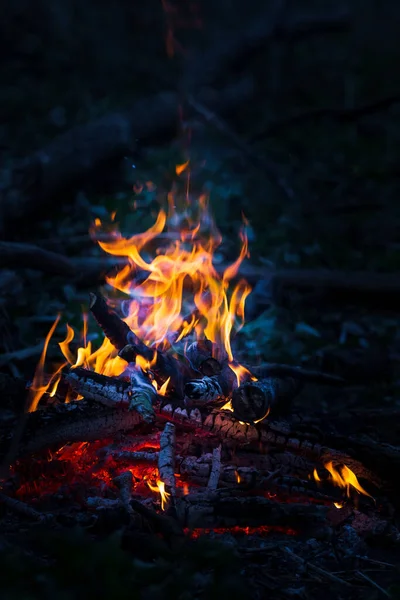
[
  {"x": 31, "y": 183},
  {"x": 28, "y": 256}
]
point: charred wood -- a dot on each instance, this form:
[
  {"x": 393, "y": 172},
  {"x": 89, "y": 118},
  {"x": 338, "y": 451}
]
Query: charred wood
[
  {"x": 166, "y": 459},
  {"x": 114, "y": 328},
  {"x": 221, "y": 509},
  {"x": 252, "y": 401},
  {"x": 215, "y": 472},
  {"x": 124, "y": 484},
  {"x": 209, "y": 389},
  {"x": 74, "y": 422}
]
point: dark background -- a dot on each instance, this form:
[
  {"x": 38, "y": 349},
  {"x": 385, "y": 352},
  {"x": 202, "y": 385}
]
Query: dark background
[{"x": 302, "y": 134}]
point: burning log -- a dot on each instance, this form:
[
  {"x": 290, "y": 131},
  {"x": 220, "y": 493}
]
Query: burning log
[
  {"x": 162, "y": 366},
  {"x": 166, "y": 459},
  {"x": 137, "y": 395},
  {"x": 208, "y": 389},
  {"x": 252, "y": 401},
  {"x": 114, "y": 328},
  {"x": 205, "y": 357}
]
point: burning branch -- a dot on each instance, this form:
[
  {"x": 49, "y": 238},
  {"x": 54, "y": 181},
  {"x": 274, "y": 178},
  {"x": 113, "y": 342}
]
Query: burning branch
[{"x": 166, "y": 459}]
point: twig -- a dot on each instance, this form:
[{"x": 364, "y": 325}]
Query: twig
[
  {"x": 373, "y": 583},
  {"x": 22, "y": 354},
  {"x": 316, "y": 569},
  {"x": 166, "y": 458},
  {"x": 212, "y": 483},
  {"x": 22, "y": 508},
  {"x": 268, "y": 167},
  {"x": 341, "y": 115}
]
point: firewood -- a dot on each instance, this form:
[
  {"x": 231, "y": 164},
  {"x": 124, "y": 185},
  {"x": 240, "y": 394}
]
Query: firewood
[
  {"x": 215, "y": 472},
  {"x": 137, "y": 395},
  {"x": 23, "y": 509},
  {"x": 163, "y": 367},
  {"x": 114, "y": 328},
  {"x": 221, "y": 509},
  {"x": 205, "y": 357},
  {"x": 124, "y": 484},
  {"x": 252, "y": 401},
  {"x": 74, "y": 422},
  {"x": 208, "y": 389},
  {"x": 166, "y": 459}
]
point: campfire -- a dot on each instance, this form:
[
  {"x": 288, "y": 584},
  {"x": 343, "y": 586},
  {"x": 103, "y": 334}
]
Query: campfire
[{"x": 163, "y": 418}]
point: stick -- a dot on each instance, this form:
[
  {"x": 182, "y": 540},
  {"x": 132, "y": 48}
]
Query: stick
[
  {"x": 166, "y": 459},
  {"x": 373, "y": 583},
  {"x": 268, "y": 167},
  {"x": 28, "y": 256},
  {"x": 23, "y": 509},
  {"x": 114, "y": 328},
  {"x": 316, "y": 569},
  {"x": 342, "y": 115},
  {"x": 22, "y": 354},
  {"x": 212, "y": 483},
  {"x": 124, "y": 484}
]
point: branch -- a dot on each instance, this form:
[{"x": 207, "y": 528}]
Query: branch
[
  {"x": 28, "y": 256},
  {"x": 341, "y": 115}
]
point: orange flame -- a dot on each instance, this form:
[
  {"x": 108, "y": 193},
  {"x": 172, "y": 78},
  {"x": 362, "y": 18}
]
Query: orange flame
[
  {"x": 160, "y": 487},
  {"x": 344, "y": 478},
  {"x": 180, "y": 292},
  {"x": 39, "y": 384}
]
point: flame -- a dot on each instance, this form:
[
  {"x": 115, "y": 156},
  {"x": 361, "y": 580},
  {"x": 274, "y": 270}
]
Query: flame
[
  {"x": 242, "y": 374},
  {"x": 39, "y": 384},
  {"x": 344, "y": 478},
  {"x": 180, "y": 292},
  {"x": 180, "y": 168},
  {"x": 160, "y": 487},
  {"x": 180, "y": 275}
]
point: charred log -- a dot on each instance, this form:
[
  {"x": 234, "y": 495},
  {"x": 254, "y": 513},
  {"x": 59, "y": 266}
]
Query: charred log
[
  {"x": 114, "y": 328},
  {"x": 252, "y": 401},
  {"x": 166, "y": 459},
  {"x": 221, "y": 509},
  {"x": 206, "y": 357},
  {"x": 209, "y": 389},
  {"x": 80, "y": 421}
]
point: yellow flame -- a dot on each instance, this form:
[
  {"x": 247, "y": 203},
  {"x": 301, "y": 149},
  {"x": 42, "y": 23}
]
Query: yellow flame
[
  {"x": 180, "y": 168},
  {"x": 180, "y": 279},
  {"x": 39, "y": 386},
  {"x": 160, "y": 487},
  {"x": 344, "y": 478}
]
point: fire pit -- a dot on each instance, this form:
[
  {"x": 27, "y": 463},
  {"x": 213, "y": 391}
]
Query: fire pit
[{"x": 163, "y": 426}]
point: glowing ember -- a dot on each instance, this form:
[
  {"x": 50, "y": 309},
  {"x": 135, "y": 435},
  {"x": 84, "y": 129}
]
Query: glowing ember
[
  {"x": 344, "y": 478},
  {"x": 261, "y": 531},
  {"x": 160, "y": 487}
]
